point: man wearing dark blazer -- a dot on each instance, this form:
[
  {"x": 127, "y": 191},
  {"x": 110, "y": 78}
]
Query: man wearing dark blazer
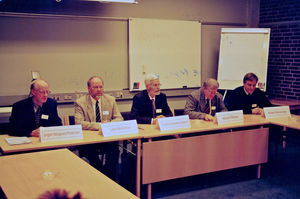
[
  {"x": 33, "y": 112},
  {"x": 150, "y": 104}
]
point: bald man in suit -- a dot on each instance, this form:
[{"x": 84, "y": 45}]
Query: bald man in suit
[
  {"x": 90, "y": 111},
  {"x": 30, "y": 114}
]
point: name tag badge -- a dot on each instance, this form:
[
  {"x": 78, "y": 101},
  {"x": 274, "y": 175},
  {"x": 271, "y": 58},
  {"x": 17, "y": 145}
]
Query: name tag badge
[
  {"x": 105, "y": 112},
  {"x": 213, "y": 108},
  {"x": 45, "y": 117},
  {"x": 254, "y": 105},
  {"x": 158, "y": 111}
]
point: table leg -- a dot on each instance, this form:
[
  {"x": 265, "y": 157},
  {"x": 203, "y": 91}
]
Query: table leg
[
  {"x": 284, "y": 138},
  {"x": 149, "y": 191},
  {"x": 138, "y": 168},
  {"x": 258, "y": 171}
]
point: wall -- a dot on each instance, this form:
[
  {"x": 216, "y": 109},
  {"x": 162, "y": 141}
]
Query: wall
[
  {"x": 214, "y": 14},
  {"x": 284, "y": 54}
]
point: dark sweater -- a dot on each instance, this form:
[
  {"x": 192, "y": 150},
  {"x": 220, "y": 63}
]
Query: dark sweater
[{"x": 239, "y": 100}]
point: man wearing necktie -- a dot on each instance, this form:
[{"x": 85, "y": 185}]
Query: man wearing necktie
[
  {"x": 90, "y": 111},
  {"x": 38, "y": 110},
  {"x": 150, "y": 104},
  {"x": 205, "y": 102},
  {"x": 86, "y": 107}
]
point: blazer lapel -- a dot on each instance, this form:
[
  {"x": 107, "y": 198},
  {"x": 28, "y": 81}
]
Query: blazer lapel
[
  {"x": 31, "y": 112},
  {"x": 105, "y": 107},
  {"x": 202, "y": 100},
  {"x": 90, "y": 109}
]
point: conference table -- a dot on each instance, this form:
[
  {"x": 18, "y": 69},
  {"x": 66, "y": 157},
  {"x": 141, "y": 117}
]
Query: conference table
[
  {"x": 163, "y": 155},
  {"x": 89, "y": 137},
  {"x": 292, "y": 122},
  {"x": 30, "y": 175},
  {"x": 205, "y": 147}
]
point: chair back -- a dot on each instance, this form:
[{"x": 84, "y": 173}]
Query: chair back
[{"x": 69, "y": 120}]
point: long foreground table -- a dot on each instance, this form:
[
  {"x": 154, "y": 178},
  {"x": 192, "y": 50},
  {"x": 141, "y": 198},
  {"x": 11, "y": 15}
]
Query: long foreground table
[
  {"x": 32, "y": 174},
  {"x": 205, "y": 147},
  {"x": 89, "y": 137}
]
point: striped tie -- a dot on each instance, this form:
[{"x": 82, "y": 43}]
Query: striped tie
[
  {"x": 98, "y": 119},
  {"x": 38, "y": 116},
  {"x": 207, "y": 108}
]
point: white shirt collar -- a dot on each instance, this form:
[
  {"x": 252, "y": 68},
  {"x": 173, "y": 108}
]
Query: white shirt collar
[
  {"x": 151, "y": 97},
  {"x": 94, "y": 101},
  {"x": 246, "y": 91}
]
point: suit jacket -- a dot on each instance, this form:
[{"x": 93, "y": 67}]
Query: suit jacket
[
  {"x": 195, "y": 104},
  {"x": 141, "y": 108},
  {"x": 85, "y": 115},
  {"x": 22, "y": 119},
  {"x": 239, "y": 100}
]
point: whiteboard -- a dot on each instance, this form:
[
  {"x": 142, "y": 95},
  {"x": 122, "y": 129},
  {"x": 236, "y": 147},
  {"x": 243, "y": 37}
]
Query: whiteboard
[
  {"x": 168, "y": 48},
  {"x": 66, "y": 51},
  {"x": 243, "y": 50}
]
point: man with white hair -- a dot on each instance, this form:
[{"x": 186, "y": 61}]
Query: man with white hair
[
  {"x": 150, "y": 104},
  {"x": 29, "y": 114}
]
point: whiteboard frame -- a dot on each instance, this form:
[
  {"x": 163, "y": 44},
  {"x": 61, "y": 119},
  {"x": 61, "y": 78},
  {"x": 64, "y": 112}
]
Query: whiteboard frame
[{"x": 262, "y": 79}]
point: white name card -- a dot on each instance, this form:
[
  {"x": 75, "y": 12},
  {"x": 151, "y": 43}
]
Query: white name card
[
  {"x": 59, "y": 133},
  {"x": 277, "y": 111},
  {"x": 172, "y": 123},
  {"x": 230, "y": 117},
  {"x": 119, "y": 128}
]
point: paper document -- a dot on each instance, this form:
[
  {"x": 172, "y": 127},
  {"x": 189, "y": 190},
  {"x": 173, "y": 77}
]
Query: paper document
[{"x": 18, "y": 140}]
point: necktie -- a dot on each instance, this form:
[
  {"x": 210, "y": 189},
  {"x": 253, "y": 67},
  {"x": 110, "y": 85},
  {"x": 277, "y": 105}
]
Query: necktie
[
  {"x": 98, "y": 119},
  {"x": 207, "y": 108},
  {"x": 38, "y": 116},
  {"x": 153, "y": 108}
]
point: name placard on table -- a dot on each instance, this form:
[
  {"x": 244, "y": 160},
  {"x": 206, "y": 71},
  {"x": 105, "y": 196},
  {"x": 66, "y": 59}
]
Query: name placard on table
[
  {"x": 277, "y": 112},
  {"x": 230, "y": 117},
  {"x": 172, "y": 123},
  {"x": 59, "y": 133},
  {"x": 18, "y": 140},
  {"x": 119, "y": 128}
]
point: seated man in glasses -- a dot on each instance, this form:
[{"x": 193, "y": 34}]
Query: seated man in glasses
[
  {"x": 205, "y": 102},
  {"x": 150, "y": 104},
  {"x": 38, "y": 110}
]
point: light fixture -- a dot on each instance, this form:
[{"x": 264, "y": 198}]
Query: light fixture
[{"x": 115, "y": 1}]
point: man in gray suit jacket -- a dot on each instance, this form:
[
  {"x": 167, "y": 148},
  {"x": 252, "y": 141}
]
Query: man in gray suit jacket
[
  {"x": 205, "y": 102},
  {"x": 91, "y": 110}
]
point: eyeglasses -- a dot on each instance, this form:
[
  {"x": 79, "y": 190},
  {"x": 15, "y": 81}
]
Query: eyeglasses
[
  {"x": 41, "y": 92},
  {"x": 155, "y": 85},
  {"x": 211, "y": 91},
  {"x": 97, "y": 87}
]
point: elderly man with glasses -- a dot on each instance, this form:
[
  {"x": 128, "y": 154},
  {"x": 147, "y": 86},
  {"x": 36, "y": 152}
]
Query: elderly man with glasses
[
  {"x": 38, "y": 110},
  {"x": 205, "y": 102}
]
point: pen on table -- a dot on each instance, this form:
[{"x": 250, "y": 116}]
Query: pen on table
[{"x": 141, "y": 128}]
